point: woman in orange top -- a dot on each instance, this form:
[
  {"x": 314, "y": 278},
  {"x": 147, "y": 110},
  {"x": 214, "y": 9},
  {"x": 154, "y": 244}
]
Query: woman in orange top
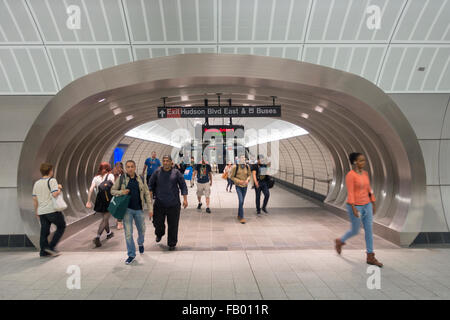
[{"x": 360, "y": 206}]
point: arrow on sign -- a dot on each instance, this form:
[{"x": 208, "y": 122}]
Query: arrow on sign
[{"x": 162, "y": 113}]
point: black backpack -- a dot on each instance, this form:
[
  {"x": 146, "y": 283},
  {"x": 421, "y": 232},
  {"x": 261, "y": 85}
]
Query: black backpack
[
  {"x": 104, "y": 190},
  {"x": 237, "y": 168}
]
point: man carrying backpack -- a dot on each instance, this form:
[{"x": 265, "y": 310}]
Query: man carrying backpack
[
  {"x": 102, "y": 182},
  {"x": 261, "y": 180},
  {"x": 165, "y": 185},
  {"x": 240, "y": 174}
]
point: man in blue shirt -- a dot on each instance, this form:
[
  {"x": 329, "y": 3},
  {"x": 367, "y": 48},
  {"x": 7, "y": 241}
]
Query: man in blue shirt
[
  {"x": 165, "y": 185},
  {"x": 151, "y": 164}
]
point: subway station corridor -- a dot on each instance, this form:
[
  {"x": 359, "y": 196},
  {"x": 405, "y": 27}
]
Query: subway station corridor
[
  {"x": 343, "y": 104},
  {"x": 293, "y": 222},
  {"x": 286, "y": 254}
]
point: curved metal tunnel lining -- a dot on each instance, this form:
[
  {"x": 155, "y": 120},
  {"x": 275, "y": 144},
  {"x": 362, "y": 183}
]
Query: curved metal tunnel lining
[
  {"x": 80, "y": 154},
  {"x": 341, "y": 128},
  {"x": 86, "y": 143}
]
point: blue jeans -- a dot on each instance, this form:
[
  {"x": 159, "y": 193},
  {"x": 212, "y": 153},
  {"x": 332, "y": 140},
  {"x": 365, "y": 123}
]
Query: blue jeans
[
  {"x": 230, "y": 183},
  {"x": 139, "y": 219},
  {"x": 264, "y": 188},
  {"x": 241, "y": 192},
  {"x": 366, "y": 218}
]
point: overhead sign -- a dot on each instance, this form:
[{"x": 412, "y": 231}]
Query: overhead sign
[{"x": 219, "y": 112}]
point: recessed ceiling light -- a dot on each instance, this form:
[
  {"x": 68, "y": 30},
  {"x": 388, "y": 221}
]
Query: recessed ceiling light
[
  {"x": 318, "y": 109},
  {"x": 304, "y": 115},
  {"x": 184, "y": 98},
  {"x": 250, "y": 97},
  {"x": 117, "y": 111},
  {"x": 101, "y": 100},
  {"x": 188, "y": 105},
  {"x": 130, "y": 117}
]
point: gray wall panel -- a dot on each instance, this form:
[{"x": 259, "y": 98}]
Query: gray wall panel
[
  {"x": 425, "y": 112},
  {"x": 434, "y": 219},
  {"x": 9, "y": 160},
  {"x": 430, "y": 150},
  {"x": 10, "y": 220},
  {"x": 17, "y": 114}
]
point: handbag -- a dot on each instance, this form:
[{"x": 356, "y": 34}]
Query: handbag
[
  {"x": 119, "y": 204},
  {"x": 270, "y": 182},
  {"x": 225, "y": 175},
  {"x": 58, "y": 203}
]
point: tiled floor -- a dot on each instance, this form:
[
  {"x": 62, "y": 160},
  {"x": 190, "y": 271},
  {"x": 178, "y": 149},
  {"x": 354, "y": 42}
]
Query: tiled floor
[
  {"x": 293, "y": 222},
  {"x": 287, "y": 254},
  {"x": 244, "y": 274}
]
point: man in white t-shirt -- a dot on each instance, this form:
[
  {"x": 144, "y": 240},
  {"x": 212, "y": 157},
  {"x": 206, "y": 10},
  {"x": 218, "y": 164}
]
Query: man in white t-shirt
[{"x": 43, "y": 191}]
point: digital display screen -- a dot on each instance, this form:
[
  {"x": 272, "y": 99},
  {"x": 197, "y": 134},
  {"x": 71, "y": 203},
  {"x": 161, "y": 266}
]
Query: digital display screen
[{"x": 222, "y": 129}]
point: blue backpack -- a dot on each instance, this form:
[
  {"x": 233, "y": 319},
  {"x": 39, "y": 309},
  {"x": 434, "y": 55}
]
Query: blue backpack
[{"x": 188, "y": 173}]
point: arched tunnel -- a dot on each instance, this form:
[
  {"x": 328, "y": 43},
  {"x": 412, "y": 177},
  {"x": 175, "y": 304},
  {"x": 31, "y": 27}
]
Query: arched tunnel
[{"x": 342, "y": 112}]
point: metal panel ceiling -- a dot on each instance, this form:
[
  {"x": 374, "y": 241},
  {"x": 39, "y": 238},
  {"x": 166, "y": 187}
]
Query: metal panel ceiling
[{"x": 39, "y": 54}]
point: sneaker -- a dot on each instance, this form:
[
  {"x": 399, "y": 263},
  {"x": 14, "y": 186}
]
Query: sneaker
[
  {"x": 97, "y": 242},
  {"x": 199, "y": 206},
  {"x": 158, "y": 239},
  {"x": 265, "y": 210},
  {"x": 208, "y": 210},
  {"x": 258, "y": 213},
  {"x": 129, "y": 260},
  {"x": 242, "y": 220},
  {"x": 110, "y": 235},
  {"x": 44, "y": 254},
  {"x": 172, "y": 248},
  {"x": 52, "y": 252},
  {"x": 141, "y": 249}
]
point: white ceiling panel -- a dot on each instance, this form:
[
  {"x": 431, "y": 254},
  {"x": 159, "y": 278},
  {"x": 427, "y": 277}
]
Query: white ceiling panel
[
  {"x": 362, "y": 60},
  {"x": 101, "y": 21},
  {"x": 147, "y": 52},
  {"x": 401, "y": 70},
  {"x": 171, "y": 21},
  {"x": 16, "y": 23},
  {"x": 281, "y": 51},
  {"x": 263, "y": 20},
  {"x": 26, "y": 70},
  {"x": 40, "y": 54},
  {"x": 346, "y": 20},
  {"x": 424, "y": 20},
  {"x": 74, "y": 62}
]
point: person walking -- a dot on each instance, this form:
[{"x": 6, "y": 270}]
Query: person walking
[
  {"x": 118, "y": 171},
  {"x": 227, "y": 171},
  {"x": 151, "y": 164},
  {"x": 241, "y": 174},
  {"x": 102, "y": 183},
  {"x": 43, "y": 191},
  {"x": 133, "y": 185},
  {"x": 360, "y": 206},
  {"x": 193, "y": 167},
  {"x": 259, "y": 171},
  {"x": 203, "y": 172},
  {"x": 165, "y": 186}
]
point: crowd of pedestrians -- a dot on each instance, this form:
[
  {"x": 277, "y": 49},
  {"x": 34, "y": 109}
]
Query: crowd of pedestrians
[{"x": 158, "y": 190}]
